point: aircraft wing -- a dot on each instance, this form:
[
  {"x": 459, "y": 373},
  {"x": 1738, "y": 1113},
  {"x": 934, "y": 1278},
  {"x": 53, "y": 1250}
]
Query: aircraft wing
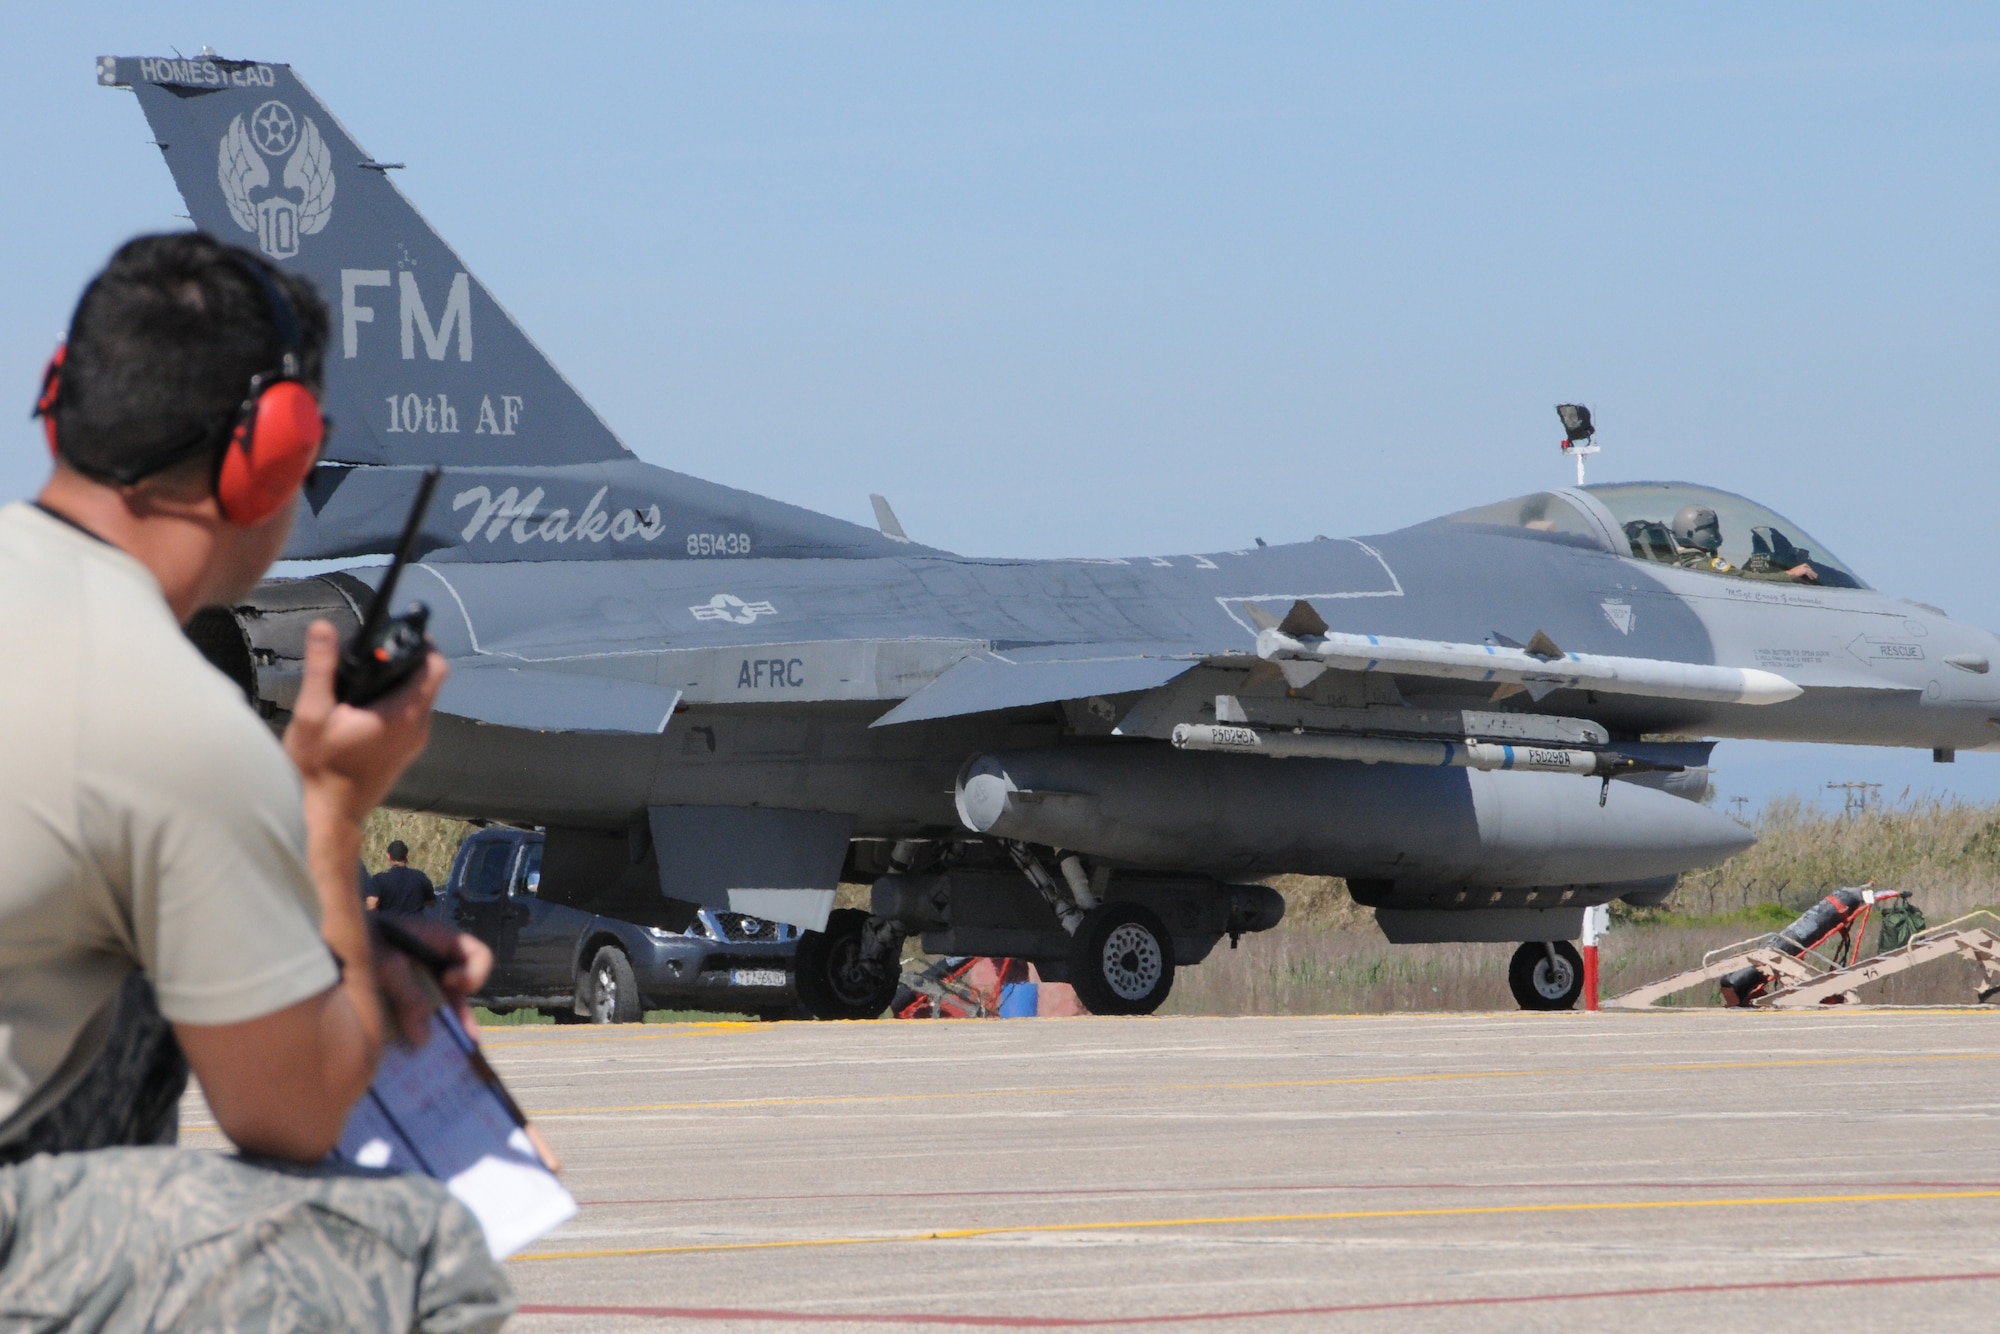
[
  {"x": 510, "y": 695},
  {"x": 985, "y": 682}
]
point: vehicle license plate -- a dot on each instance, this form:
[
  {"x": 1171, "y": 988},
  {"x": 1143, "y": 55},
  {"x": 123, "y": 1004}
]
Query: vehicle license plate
[{"x": 757, "y": 977}]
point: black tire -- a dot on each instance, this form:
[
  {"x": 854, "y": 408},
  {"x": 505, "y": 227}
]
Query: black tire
[
  {"x": 1122, "y": 960},
  {"x": 832, "y": 981},
  {"x": 1539, "y": 986},
  {"x": 610, "y": 989}
]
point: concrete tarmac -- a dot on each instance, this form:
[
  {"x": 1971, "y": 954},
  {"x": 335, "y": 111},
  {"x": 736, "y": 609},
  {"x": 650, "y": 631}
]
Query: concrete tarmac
[
  {"x": 1666, "y": 1171},
  {"x": 1822, "y": 1171}
]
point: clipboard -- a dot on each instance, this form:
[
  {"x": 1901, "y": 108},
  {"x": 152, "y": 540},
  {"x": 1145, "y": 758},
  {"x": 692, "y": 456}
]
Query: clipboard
[{"x": 440, "y": 1110}]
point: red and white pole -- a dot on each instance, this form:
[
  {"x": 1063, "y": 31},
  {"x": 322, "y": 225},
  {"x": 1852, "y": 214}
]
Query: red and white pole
[{"x": 1596, "y": 921}]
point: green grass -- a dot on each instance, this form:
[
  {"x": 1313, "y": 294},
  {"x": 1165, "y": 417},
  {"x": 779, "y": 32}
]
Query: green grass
[{"x": 1752, "y": 919}]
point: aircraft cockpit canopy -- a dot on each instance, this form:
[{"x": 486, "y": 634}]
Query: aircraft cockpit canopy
[
  {"x": 1756, "y": 543},
  {"x": 1637, "y": 519},
  {"x": 1542, "y": 512}
]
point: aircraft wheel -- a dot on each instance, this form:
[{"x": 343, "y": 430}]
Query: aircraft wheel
[
  {"x": 1542, "y": 982},
  {"x": 1122, "y": 960},
  {"x": 834, "y": 980},
  {"x": 613, "y": 991}
]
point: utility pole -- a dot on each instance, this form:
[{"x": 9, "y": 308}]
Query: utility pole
[{"x": 1859, "y": 796}]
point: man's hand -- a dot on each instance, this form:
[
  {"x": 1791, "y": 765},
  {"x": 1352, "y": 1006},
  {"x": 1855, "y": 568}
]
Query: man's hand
[
  {"x": 412, "y": 986},
  {"x": 349, "y": 757}
]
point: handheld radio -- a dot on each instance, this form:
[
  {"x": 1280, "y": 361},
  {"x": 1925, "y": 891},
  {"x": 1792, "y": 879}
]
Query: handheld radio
[{"x": 387, "y": 650}]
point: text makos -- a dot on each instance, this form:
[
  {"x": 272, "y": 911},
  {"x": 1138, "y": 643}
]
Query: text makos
[{"x": 522, "y": 517}]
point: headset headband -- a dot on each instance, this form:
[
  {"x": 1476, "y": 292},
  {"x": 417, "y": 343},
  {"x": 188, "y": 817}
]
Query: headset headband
[{"x": 283, "y": 318}]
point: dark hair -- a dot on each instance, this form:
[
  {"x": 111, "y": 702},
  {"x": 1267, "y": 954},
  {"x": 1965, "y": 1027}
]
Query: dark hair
[
  {"x": 162, "y": 349},
  {"x": 399, "y": 851}
]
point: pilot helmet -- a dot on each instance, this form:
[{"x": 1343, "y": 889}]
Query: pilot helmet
[{"x": 1697, "y": 526}]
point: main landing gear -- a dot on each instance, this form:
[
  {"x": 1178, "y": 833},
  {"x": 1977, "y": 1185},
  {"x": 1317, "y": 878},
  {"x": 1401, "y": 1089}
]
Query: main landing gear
[
  {"x": 1546, "y": 975},
  {"x": 849, "y": 970},
  {"x": 1121, "y": 960}
]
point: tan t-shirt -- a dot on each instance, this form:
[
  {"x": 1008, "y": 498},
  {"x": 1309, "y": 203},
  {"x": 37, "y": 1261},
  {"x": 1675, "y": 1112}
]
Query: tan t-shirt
[{"x": 148, "y": 819}]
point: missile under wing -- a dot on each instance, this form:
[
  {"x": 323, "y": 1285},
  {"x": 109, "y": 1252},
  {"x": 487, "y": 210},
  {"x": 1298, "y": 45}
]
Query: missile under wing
[{"x": 709, "y": 698}]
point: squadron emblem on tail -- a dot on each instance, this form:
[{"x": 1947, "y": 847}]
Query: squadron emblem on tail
[{"x": 278, "y": 219}]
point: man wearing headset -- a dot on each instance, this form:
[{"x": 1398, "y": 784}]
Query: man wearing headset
[{"x": 161, "y": 844}]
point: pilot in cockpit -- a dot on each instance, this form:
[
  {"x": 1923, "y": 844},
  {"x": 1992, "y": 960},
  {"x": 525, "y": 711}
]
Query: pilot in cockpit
[{"x": 1698, "y": 535}]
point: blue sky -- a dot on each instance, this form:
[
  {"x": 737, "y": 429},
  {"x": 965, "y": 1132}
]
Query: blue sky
[{"x": 1112, "y": 279}]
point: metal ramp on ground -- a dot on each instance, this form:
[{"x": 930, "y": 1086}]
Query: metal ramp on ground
[
  {"x": 1812, "y": 978},
  {"x": 1977, "y": 941}
]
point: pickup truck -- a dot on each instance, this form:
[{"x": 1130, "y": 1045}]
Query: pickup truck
[{"x": 580, "y": 966}]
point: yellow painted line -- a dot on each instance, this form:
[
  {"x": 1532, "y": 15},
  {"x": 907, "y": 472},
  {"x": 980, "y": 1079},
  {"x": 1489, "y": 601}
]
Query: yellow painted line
[
  {"x": 500, "y": 1035},
  {"x": 835, "y": 1100},
  {"x": 1232, "y": 1220}
]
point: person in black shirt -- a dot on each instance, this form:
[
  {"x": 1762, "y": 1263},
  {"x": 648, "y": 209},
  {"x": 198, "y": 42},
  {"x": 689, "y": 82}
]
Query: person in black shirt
[{"x": 402, "y": 888}]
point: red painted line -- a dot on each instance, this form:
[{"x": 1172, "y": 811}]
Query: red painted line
[
  {"x": 1193, "y": 1317},
  {"x": 1081, "y": 1193}
]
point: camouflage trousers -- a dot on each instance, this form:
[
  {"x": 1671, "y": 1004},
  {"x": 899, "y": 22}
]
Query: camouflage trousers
[{"x": 177, "y": 1239}]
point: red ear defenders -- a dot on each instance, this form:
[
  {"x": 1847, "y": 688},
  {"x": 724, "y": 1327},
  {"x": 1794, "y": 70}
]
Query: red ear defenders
[
  {"x": 273, "y": 446},
  {"x": 274, "y": 438},
  {"x": 45, "y": 406}
]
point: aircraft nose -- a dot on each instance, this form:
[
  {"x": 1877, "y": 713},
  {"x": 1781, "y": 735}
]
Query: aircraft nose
[
  {"x": 1726, "y": 843},
  {"x": 1703, "y": 832},
  {"x": 1550, "y": 828}
]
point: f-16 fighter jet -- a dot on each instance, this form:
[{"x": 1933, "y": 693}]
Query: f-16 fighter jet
[{"x": 728, "y": 702}]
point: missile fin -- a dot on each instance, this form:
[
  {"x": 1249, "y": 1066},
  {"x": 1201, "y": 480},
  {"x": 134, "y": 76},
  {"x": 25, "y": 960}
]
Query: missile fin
[
  {"x": 1302, "y": 621},
  {"x": 1541, "y": 646},
  {"x": 1300, "y": 673},
  {"x": 1260, "y": 618}
]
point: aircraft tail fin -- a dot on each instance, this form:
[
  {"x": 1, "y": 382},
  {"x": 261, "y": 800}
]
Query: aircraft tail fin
[{"x": 423, "y": 365}]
